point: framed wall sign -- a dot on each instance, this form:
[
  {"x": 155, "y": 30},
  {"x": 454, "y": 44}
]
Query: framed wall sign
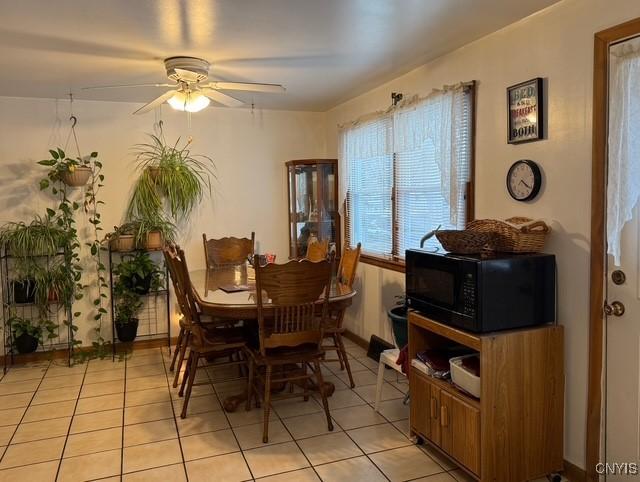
[{"x": 526, "y": 111}]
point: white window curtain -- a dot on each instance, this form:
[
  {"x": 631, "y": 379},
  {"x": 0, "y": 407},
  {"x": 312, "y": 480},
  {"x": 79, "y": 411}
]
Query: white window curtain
[
  {"x": 405, "y": 171},
  {"x": 623, "y": 186},
  {"x": 432, "y": 142},
  {"x": 367, "y": 182}
]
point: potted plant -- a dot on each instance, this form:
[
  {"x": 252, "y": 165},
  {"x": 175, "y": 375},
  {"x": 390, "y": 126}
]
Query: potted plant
[
  {"x": 73, "y": 172},
  {"x": 127, "y": 307},
  {"x": 169, "y": 173},
  {"x": 398, "y": 317},
  {"x": 123, "y": 237},
  {"x": 31, "y": 246},
  {"x": 138, "y": 274},
  {"x": 154, "y": 232},
  {"x": 26, "y": 335}
]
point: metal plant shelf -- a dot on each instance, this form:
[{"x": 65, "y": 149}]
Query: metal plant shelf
[{"x": 156, "y": 303}]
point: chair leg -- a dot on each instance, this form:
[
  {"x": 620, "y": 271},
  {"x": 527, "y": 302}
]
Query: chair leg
[
  {"x": 339, "y": 352},
  {"x": 185, "y": 376},
  {"x": 381, "y": 368},
  {"x": 343, "y": 352},
  {"x": 183, "y": 351},
  {"x": 177, "y": 350},
  {"x": 305, "y": 382},
  {"x": 194, "y": 356},
  {"x": 325, "y": 403},
  {"x": 267, "y": 404},
  {"x": 250, "y": 390}
]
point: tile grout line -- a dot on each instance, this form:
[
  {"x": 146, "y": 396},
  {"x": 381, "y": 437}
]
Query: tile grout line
[
  {"x": 215, "y": 391},
  {"x": 64, "y": 446},
  {"x": 25, "y": 412},
  {"x": 173, "y": 410},
  {"x": 124, "y": 407}
]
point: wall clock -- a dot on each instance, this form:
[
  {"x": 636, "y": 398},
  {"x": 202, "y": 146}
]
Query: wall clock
[{"x": 524, "y": 180}]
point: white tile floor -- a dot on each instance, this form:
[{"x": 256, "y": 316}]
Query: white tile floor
[{"x": 119, "y": 420}]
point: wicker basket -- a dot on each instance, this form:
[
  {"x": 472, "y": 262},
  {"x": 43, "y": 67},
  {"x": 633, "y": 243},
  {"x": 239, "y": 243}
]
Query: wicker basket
[
  {"x": 465, "y": 242},
  {"x": 515, "y": 235}
]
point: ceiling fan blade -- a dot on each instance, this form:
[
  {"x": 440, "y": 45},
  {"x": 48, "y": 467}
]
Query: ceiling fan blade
[
  {"x": 156, "y": 102},
  {"x": 187, "y": 75},
  {"x": 221, "y": 98},
  {"x": 127, "y": 85},
  {"x": 248, "y": 86}
]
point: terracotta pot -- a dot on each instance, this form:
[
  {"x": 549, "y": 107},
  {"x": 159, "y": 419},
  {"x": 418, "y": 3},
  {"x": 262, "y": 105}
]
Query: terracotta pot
[
  {"x": 53, "y": 296},
  {"x": 154, "y": 172},
  {"x": 154, "y": 240},
  {"x": 78, "y": 177},
  {"x": 123, "y": 242}
]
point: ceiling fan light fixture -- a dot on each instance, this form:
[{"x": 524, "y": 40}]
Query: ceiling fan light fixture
[{"x": 189, "y": 101}]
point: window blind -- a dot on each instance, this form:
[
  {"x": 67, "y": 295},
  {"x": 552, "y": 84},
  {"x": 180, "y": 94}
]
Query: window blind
[{"x": 368, "y": 153}]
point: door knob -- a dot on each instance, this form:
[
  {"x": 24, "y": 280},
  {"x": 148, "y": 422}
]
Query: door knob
[{"x": 616, "y": 309}]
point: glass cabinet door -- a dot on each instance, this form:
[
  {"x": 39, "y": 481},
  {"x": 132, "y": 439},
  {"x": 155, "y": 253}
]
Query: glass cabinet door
[{"x": 313, "y": 212}]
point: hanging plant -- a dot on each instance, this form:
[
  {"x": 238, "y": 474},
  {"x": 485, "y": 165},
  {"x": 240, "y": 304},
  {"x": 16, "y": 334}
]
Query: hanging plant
[
  {"x": 72, "y": 172},
  {"x": 91, "y": 205},
  {"x": 171, "y": 175},
  {"x": 57, "y": 182}
]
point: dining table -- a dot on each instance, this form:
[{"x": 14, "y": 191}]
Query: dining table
[{"x": 229, "y": 293}]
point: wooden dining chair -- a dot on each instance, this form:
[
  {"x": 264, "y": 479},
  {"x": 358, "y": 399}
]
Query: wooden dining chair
[
  {"x": 317, "y": 250},
  {"x": 333, "y": 329},
  {"x": 228, "y": 251},
  {"x": 290, "y": 331},
  {"x": 210, "y": 341}
]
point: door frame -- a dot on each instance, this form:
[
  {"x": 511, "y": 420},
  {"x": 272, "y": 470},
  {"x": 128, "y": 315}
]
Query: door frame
[{"x": 602, "y": 41}]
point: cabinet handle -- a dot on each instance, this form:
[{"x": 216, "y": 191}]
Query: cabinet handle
[
  {"x": 444, "y": 416},
  {"x": 434, "y": 408}
]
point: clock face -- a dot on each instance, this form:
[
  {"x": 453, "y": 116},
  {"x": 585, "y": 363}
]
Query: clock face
[{"x": 523, "y": 180}]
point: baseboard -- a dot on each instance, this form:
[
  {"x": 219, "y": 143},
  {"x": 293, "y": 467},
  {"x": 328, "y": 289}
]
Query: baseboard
[
  {"x": 574, "y": 473},
  {"x": 64, "y": 354},
  {"x": 361, "y": 342}
]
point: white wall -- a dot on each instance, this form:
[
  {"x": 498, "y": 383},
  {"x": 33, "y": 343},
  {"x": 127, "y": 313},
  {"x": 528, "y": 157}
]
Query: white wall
[
  {"x": 556, "y": 44},
  {"x": 249, "y": 151}
]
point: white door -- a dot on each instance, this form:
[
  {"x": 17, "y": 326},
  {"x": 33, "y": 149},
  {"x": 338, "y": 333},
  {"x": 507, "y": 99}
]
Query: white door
[{"x": 622, "y": 418}]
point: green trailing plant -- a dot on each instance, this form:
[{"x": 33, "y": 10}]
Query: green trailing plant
[
  {"x": 91, "y": 206},
  {"x": 137, "y": 273},
  {"x": 41, "y": 329},
  {"x": 171, "y": 175},
  {"x": 61, "y": 165},
  {"x": 65, "y": 217}
]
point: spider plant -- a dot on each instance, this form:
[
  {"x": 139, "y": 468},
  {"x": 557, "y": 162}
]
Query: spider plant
[
  {"x": 158, "y": 223},
  {"x": 171, "y": 174},
  {"x": 41, "y": 237}
]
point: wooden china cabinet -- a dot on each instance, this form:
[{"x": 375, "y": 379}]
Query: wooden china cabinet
[{"x": 313, "y": 204}]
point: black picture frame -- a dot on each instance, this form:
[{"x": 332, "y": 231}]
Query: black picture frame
[{"x": 524, "y": 101}]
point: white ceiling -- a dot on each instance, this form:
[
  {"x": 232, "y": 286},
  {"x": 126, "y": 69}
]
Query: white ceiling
[{"x": 323, "y": 51}]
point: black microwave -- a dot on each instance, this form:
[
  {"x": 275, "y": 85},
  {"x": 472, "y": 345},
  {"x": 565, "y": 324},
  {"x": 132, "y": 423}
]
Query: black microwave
[{"x": 482, "y": 294}]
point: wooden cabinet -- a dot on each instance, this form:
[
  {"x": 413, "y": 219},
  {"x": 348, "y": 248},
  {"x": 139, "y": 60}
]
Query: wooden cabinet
[
  {"x": 514, "y": 432},
  {"x": 313, "y": 204}
]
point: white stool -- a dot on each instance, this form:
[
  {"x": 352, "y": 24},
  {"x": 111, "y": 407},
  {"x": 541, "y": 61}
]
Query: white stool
[{"x": 387, "y": 358}]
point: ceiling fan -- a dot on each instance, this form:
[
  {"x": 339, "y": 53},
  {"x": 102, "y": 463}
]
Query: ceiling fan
[{"x": 189, "y": 92}]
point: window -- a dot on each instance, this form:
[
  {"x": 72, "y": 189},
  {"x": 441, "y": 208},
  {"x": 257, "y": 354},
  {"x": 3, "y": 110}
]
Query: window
[{"x": 407, "y": 172}]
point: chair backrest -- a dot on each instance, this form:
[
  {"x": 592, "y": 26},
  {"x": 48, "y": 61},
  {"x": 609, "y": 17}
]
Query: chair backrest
[
  {"x": 348, "y": 265},
  {"x": 317, "y": 250},
  {"x": 179, "y": 272},
  {"x": 294, "y": 290},
  {"x": 228, "y": 251}
]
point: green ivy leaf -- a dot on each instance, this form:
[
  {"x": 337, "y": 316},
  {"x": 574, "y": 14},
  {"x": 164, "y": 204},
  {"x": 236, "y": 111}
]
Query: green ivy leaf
[
  {"x": 54, "y": 154},
  {"x": 44, "y": 184},
  {"x": 94, "y": 154},
  {"x": 47, "y": 162}
]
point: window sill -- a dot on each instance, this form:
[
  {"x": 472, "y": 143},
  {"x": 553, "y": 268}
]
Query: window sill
[{"x": 391, "y": 264}]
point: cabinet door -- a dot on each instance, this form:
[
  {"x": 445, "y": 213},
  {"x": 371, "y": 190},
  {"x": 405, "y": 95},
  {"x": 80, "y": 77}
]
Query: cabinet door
[
  {"x": 460, "y": 435},
  {"x": 425, "y": 407},
  {"x": 420, "y": 404}
]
